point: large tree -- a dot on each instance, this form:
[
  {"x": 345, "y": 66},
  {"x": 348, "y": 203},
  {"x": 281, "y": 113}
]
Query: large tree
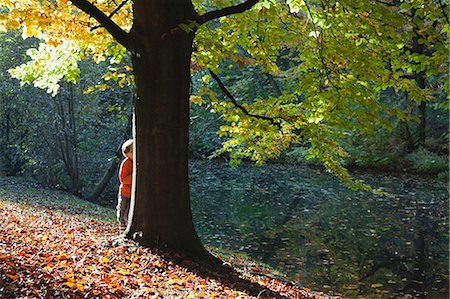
[
  {"x": 161, "y": 55},
  {"x": 332, "y": 59}
]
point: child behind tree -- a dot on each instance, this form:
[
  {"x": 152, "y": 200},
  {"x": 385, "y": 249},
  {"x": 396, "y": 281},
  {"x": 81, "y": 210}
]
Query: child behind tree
[{"x": 126, "y": 178}]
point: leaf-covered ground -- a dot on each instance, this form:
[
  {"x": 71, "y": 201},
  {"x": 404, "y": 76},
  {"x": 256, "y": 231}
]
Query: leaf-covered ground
[{"x": 53, "y": 245}]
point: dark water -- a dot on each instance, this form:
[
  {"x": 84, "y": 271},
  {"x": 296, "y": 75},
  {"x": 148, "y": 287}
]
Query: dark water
[{"x": 318, "y": 233}]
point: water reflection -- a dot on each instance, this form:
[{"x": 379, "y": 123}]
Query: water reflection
[{"x": 304, "y": 223}]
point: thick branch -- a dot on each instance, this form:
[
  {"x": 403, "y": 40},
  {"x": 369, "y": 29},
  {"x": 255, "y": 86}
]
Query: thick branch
[
  {"x": 117, "y": 33},
  {"x": 242, "y": 108},
  {"x": 226, "y": 11}
]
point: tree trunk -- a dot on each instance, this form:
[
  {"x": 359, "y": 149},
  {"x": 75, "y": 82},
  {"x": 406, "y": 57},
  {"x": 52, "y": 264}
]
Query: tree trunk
[
  {"x": 405, "y": 133},
  {"x": 65, "y": 127},
  {"x": 101, "y": 185},
  {"x": 160, "y": 207},
  {"x": 420, "y": 79},
  {"x": 8, "y": 126},
  {"x": 73, "y": 142},
  {"x": 421, "y": 129}
]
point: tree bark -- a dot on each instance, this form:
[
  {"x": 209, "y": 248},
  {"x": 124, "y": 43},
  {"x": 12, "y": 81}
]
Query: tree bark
[
  {"x": 420, "y": 79},
  {"x": 160, "y": 207},
  {"x": 421, "y": 129},
  {"x": 101, "y": 185},
  {"x": 65, "y": 127},
  {"x": 405, "y": 132}
]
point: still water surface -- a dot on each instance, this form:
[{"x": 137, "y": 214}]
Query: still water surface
[{"x": 306, "y": 225}]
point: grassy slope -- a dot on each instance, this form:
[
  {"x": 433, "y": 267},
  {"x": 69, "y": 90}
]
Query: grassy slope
[{"x": 54, "y": 245}]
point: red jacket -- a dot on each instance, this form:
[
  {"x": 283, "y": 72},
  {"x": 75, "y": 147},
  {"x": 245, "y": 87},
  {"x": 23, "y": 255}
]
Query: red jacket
[{"x": 126, "y": 177}]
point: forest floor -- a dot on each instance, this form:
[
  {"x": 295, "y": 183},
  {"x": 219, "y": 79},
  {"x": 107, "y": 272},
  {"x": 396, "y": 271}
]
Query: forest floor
[{"x": 54, "y": 245}]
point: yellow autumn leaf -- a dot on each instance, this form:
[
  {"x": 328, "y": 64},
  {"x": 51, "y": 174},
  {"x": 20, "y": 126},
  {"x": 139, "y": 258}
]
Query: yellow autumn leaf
[
  {"x": 196, "y": 100},
  {"x": 80, "y": 287},
  {"x": 62, "y": 256},
  {"x": 69, "y": 284},
  {"x": 123, "y": 272},
  {"x": 175, "y": 281},
  {"x": 103, "y": 259}
]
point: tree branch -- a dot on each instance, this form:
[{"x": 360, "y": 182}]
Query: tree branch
[
  {"x": 242, "y": 108},
  {"x": 116, "y": 10},
  {"x": 117, "y": 33},
  {"x": 444, "y": 11},
  {"x": 388, "y": 3},
  {"x": 406, "y": 76},
  {"x": 226, "y": 11}
]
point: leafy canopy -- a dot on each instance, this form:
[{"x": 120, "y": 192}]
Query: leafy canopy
[{"x": 330, "y": 60}]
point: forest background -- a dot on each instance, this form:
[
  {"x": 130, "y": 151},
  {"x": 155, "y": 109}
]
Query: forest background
[{"x": 70, "y": 141}]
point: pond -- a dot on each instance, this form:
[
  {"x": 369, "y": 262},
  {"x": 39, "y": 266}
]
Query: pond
[{"x": 305, "y": 224}]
